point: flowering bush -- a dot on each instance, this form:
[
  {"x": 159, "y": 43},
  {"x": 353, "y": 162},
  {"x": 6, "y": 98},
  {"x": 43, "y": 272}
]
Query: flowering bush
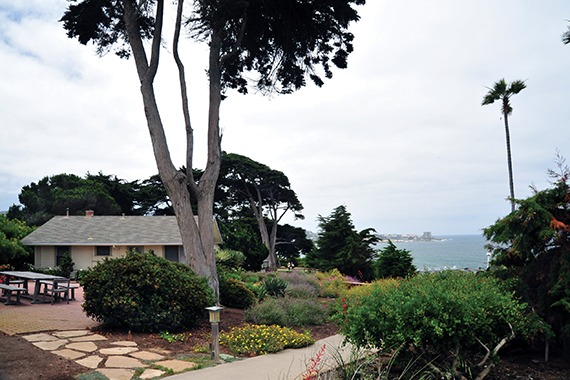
[
  {"x": 332, "y": 284},
  {"x": 263, "y": 339}
]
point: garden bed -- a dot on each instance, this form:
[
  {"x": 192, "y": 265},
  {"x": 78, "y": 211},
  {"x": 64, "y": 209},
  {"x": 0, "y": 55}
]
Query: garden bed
[{"x": 20, "y": 360}]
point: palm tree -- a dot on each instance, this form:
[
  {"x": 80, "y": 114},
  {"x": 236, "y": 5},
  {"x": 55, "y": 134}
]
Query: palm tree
[
  {"x": 566, "y": 37},
  {"x": 502, "y": 91}
]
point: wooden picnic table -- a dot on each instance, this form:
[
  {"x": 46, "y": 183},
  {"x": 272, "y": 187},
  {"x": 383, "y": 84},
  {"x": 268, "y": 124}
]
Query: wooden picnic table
[{"x": 33, "y": 276}]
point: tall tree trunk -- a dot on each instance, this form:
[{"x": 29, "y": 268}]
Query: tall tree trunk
[
  {"x": 198, "y": 243},
  {"x": 509, "y": 162}
]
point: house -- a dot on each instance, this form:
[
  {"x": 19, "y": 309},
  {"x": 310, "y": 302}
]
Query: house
[{"x": 89, "y": 239}]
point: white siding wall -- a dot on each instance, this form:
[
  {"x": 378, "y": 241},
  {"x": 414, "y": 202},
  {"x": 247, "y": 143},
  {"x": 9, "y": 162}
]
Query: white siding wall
[
  {"x": 81, "y": 256},
  {"x": 85, "y": 256}
]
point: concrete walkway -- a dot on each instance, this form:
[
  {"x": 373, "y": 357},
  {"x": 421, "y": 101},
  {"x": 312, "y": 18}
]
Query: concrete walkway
[{"x": 283, "y": 365}]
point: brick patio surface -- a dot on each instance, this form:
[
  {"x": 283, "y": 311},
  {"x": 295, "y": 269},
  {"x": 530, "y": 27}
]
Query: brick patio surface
[{"x": 28, "y": 318}]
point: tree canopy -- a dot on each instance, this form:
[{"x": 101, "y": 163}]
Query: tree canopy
[
  {"x": 531, "y": 250},
  {"x": 393, "y": 262},
  {"x": 11, "y": 233},
  {"x": 282, "y": 41},
  {"x": 104, "y": 194},
  {"x": 342, "y": 247},
  {"x": 267, "y": 193}
]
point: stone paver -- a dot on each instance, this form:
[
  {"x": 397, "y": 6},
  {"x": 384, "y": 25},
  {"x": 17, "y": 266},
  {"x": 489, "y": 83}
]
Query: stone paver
[
  {"x": 89, "y": 338},
  {"x": 146, "y": 355},
  {"x": 50, "y": 345},
  {"x": 124, "y": 343},
  {"x": 150, "y": 373},
  {"x": 117, "y": 374},
  {"x": 70, "y": 334},
  {"x": 118, "y": 361},
  {"x": 118, "y": 350},
  {"x": 176, "y": 365},
  {"x": 69, "y": 354},
  {"x": 90, "y": 361},
  {"x": 40, "y": 338},
  {"x": 82, "y": 346}
]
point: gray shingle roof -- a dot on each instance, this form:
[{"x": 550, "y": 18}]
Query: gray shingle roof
[{"x": 107, "y": 230}]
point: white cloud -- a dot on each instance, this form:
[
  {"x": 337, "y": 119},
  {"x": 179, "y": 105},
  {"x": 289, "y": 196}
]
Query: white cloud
[{"x": 400, "y": 137}]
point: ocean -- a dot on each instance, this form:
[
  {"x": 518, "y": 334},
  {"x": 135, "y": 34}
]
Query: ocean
[{"x": 452, "y": 252}]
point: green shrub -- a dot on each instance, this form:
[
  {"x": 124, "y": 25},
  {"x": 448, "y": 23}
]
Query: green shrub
[
  {"x": 302, "y": 291},
  {"x": 141, "y": 292},
  {"x": 250, "y": 278},
  {"x": 332, "y": 284},
  {"x": 66, "y": 265},
  {"x": 274, "y": 286},
  {"x": 234, "y": 294},
  {"x": 264, "y": 339},
  {"x": 444, "y": 315},
  {"x": 287, "y": 312},
  {"x": 300, "y": 278},
  {"x": 230, "y": 258}
]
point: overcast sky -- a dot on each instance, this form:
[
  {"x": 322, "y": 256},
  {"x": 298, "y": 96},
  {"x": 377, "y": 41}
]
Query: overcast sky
[{"x": 399, "y": 137}]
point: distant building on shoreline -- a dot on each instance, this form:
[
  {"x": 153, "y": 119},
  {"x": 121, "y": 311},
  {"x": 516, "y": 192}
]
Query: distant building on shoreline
[{"x": 427, "y": 236}]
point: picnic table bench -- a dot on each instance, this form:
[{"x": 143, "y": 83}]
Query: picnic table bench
[
  {"x": 33, "y": 276},
  {"x": 62, "y": 285},
  {"x": 8, "y": 289}
]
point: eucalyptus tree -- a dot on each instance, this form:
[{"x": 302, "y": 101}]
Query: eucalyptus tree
[
  {"x": 503, "y": 91},
  {"x": 279, "y": 43}
]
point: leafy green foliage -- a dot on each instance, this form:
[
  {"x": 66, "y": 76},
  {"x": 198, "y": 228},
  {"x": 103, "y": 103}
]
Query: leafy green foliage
[
  {"x": 288, "y": 311},
  {"x": 291, "y": 243},
  {"x": 332, "y": 284},
  {"x": 66, "y": 265},
  {"x": 300, "y": 284},
  {"x": 240, "y": 235},
  {"x": 104, "y": 194},
  {"x": 141, "y": 292},
  {"x": 393, "y": 262},
  {"x": 274, "y": 286},
  {"x": 234, "y": 293},
  {"x": 340, "y": 246},
  {"x": 445, "y": 316},
  {"x": 12, "y": 231},
  {"x": 230, "y": 259},
  {"x": 531, "y": 251}
]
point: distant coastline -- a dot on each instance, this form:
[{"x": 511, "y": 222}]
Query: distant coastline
[{"x": 407, "y": 238}]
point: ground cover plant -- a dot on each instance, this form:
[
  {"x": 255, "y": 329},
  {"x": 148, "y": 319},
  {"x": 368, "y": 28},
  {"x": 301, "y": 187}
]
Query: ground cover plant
[
  {"x": 455, "y": 322},
  {"x": 333, "y": 284},
  {"x": 287, "y": 311},
  {"x": 143, "y": 292},
  {"x": 263, "y": 339}
]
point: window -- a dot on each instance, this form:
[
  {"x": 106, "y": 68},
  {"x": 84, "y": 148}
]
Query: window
[
  {"x": 60, "y": 251},
  {"x": 171, "y": 253},
  {"x": 103, "y": 251},
  {"x": 137, "y": 249}
]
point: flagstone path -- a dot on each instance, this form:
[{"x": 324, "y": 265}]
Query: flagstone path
[{"x": 115, "y": 360}]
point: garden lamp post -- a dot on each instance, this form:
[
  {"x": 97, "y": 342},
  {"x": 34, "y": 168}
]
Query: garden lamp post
[{"x": 215, "y": 320}]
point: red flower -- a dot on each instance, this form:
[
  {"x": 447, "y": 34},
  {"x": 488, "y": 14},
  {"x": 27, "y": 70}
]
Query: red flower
[{"x": 344, "y": 306}]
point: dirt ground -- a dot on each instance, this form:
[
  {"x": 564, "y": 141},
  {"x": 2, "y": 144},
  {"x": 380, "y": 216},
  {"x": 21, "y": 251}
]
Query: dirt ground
[{"x": 20, "y": 360}]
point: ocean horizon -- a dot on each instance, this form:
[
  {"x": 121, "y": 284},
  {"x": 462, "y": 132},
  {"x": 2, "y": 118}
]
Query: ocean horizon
[{"x": 465, "y": 252}]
